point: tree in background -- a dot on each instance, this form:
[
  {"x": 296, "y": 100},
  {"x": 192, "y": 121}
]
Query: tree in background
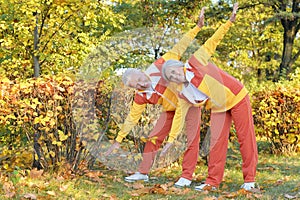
[
  {"x": 50, "y": 36},
  {"x": 265, "y": 38},
  {"x": 288, "y": 12}
]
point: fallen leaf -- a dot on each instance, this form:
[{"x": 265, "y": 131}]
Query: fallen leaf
[
  {"x": 207, "y": 187},
  {"x": 258, "y": 196},
  {"x": 140, "y": 192},
  {"x": 175, "y": 190},
  {"x": 242, "y": 191},
  {"x": 137, "y": 185},
  {"x": 255, "y": 190},
  {"x": 52, "y": 193},
  {"x": 180, "y": 191},
  {"x": 185, "y": 191},
  {"x": 210, "y": 198},
  {"x": 32, "y": 185},
  {"x": 231, "y": 195},
  {"x": 9, "y": 189},
  {"x": 63, "y": 187},
  {"x": 169, "y": 184},
  {"x": 157, "y": 189},
  {"x": 35, "y": 173},
  {"x": 164, "y": 186},
  {"x": 30, "y": 196},
  {"x": 113, "y": 197},
  {"x": 60, "y": 178},
  {"x": 93, "y": 174},
  {"x": 105, "y": 195},
  {"x": 279, "y": 182}
]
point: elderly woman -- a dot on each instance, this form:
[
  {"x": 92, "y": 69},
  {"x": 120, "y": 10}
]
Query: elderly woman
[
  {"x": 198, "y": 81},
  {"x": 152, "y": 89}
]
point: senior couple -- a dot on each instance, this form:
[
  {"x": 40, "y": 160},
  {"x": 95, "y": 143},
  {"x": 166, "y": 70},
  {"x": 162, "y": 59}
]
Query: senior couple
[{"x": 182, "y": 89}]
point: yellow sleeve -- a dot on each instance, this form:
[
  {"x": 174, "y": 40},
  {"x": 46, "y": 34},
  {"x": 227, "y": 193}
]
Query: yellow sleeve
[
  {"x": 179, "y": 119},
  {"x": 179, "y": 48},
  {"x": 131, "y": 120},
  {"x": 204, "y": 53}
]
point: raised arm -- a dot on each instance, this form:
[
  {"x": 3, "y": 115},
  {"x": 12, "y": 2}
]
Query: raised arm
[
  {"x": 179, "y": 48},
  {"x": 204, "y": 53}
]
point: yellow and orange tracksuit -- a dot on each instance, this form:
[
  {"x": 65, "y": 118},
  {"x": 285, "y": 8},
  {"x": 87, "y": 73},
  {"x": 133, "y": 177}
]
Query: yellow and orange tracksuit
[
  {"x": 165, "y": 96},
  {"x": 229, "y": 101}
]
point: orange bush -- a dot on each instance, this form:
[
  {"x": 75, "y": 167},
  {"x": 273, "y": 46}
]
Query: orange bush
[{"x": 276, "y": 117}]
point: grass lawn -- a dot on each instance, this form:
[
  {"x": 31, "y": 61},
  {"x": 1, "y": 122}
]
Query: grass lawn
[{"x": 277, "y": 176}]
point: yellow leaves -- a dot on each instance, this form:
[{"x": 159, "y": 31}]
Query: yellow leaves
[
  {"x": 62, "y": 136},
  {"x": 57, "y": 97},
  {"x": 276, "y": 116},
  {"x": 42, "y": 120}
]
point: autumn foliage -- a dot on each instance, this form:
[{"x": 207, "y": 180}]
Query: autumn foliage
[
  {"x": 35, "y": 113},
  {"x": 37, "y": 124},
  {"x": 276, "y": 115}
]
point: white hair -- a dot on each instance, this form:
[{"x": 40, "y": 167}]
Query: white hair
[
  {"x": 127, "y": 74},
  {"x": 170, "y": 63}
]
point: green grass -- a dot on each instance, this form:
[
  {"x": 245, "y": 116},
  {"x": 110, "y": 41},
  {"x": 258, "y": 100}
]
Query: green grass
[{"x": 277, "y": 176}]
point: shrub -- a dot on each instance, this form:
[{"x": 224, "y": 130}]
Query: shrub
[
  {"x": 35, "y": 119},
  {"x": 276, "y": 116}
]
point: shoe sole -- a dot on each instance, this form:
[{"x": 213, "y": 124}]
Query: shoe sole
[{"x": 132, "y": 181}]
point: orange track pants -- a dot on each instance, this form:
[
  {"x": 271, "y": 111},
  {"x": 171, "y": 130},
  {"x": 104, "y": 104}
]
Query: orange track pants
[
  {"x": 161, "y": 131},
  {"x": 241, "y": 115}
]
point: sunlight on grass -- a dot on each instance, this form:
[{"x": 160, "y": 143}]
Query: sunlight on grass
[{"x": 277, "y": 176}]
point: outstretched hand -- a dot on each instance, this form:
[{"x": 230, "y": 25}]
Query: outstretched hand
[
  {"x": 234, "y": 10},
  {"x": 166, "y": 149},
  {"x": 114, "y": 146},
  {"x": 200, "y": 22}
]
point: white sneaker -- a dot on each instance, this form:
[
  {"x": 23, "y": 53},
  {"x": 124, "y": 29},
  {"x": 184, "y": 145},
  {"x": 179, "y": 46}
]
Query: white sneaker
[
  {"x": 205, "y": 186},
  {"x": 183, "y": 182},
  {"x": 137, "y": 177},
  {"x": 248, "y": 186}
]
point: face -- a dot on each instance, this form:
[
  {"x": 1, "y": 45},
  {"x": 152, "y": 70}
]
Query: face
[
  {"x": 175, "y": 74},
  {"x": 139, "y": 81}
]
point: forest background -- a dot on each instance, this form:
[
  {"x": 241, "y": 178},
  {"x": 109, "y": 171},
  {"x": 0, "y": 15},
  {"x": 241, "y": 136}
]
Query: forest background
[{"x": 57, "y": 52}]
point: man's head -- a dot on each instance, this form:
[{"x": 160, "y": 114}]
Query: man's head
[
  {"x": 135, "y": 78},
  {"x": 172, "y": 71}
]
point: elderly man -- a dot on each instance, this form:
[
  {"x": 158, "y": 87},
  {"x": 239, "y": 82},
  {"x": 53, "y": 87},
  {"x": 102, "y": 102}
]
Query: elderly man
[{"x": 152, "y": 89}]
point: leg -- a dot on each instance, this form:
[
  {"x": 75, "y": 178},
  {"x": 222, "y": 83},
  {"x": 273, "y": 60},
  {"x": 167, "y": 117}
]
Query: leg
[
  {"x": 220, "y": 126},
  {"x": 193, "y": 120},
  {"x": 246, "y": 137},
  {"x": 161, "y": 130}
]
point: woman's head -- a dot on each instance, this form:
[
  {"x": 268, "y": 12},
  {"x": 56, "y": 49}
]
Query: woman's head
[
  {"x": 135, "y": 78},
  {"x": 172, "y": 71}
]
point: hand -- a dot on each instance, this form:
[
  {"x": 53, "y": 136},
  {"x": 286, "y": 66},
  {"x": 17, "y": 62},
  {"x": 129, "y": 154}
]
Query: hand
[
  {"x": 233, "y": 15},
  {"x": 200, "y": 23},
  {"x": 165, "y": 149},
  {"x": 114, "y": 146}
]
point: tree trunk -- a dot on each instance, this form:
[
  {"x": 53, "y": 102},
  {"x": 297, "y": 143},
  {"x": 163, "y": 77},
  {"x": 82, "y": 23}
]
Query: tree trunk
[
  {"x": 35, "y": 49},
  {"x": 288, "y": 42},
  {"x": 290, "y": 23}
]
